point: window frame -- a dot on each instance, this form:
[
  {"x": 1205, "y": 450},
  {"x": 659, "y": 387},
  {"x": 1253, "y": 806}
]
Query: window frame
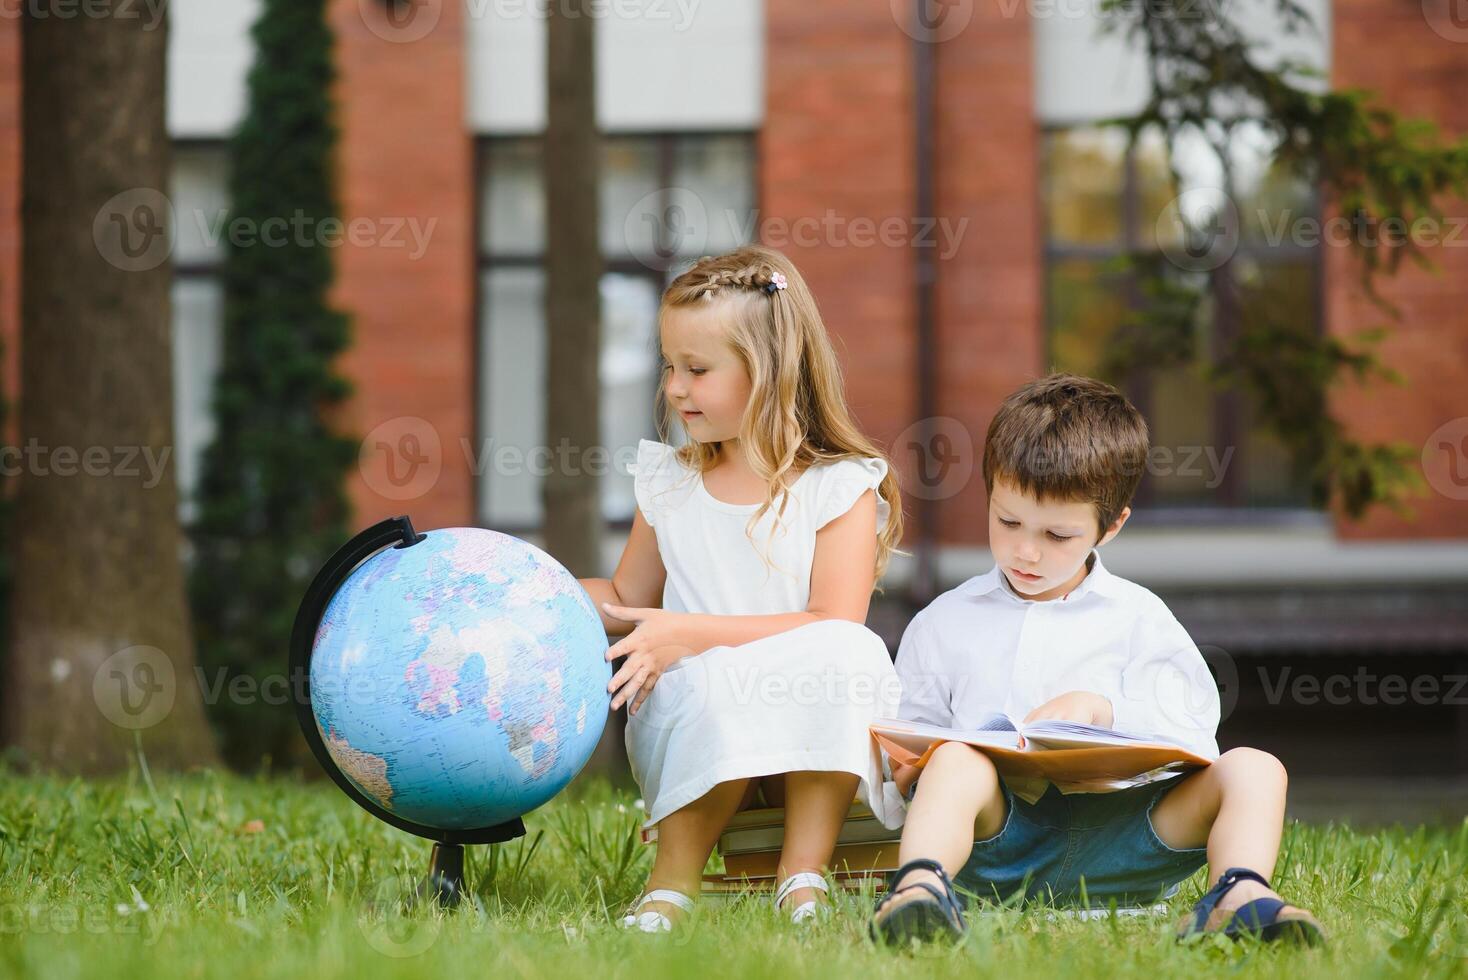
[
  {"x": 486, "y": 261},
  {"x": 1227, "y": 411}
]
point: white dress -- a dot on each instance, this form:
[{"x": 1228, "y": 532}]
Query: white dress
[{"x": 797, "y": 700}]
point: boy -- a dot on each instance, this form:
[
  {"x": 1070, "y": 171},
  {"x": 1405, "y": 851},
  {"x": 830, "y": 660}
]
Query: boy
[{"x": 1050, "y": 633}]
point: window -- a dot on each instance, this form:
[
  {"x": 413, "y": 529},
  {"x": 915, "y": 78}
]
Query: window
[
  {"x": 200, "y": 197},
  {"x": 1102, "y": 202},
  {"x": 651, "y": 188}
]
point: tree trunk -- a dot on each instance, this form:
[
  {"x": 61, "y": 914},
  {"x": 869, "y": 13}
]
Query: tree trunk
[
  {"x": 571, "y": 496},
  {"x": 101, "y": 653},
  {"x": 572, "y": 506}
]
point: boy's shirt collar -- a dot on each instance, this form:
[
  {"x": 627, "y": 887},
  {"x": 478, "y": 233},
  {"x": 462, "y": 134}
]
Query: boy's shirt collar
[{"x": 1098, "y": 580}]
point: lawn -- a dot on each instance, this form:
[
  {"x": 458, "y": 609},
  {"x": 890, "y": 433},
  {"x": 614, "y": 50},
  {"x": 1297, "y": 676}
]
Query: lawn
[{"x": 216, "y": 875}]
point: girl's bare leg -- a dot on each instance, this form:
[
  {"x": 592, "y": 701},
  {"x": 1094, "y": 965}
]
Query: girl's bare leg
[
  {"x": 816, "y": 803},
  {"x": 686, "y": 838}
]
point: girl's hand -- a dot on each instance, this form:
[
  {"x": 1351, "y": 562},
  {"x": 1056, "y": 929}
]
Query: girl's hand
[
  {"x": 650, "y": 649},
  {"x": 640, "y": 672},
  {"x": 1082, "y": 706}
]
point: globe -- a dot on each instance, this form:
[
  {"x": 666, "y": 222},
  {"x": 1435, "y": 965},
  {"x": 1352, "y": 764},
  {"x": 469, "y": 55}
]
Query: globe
[{"x": 459, "y": 682}]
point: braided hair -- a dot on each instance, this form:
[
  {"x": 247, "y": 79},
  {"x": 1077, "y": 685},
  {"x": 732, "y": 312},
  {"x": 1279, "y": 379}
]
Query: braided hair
[{"x": 797, "y": 414}]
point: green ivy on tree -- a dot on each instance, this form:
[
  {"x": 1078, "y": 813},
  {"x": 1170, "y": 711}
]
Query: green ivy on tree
[
  {"x": 271, "y": 502},
  {"x": 1379, "y": 170}
]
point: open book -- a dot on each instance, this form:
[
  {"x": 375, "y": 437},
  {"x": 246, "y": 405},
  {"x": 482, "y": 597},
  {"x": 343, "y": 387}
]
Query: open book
[{"x": 1077, "y": 758}]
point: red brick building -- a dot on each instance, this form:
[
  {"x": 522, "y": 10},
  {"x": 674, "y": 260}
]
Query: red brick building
[{"x": 797, "y": 123}]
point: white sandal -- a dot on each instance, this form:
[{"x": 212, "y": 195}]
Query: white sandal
[
  {"x": 653, "y": 921},
  {"x": 805, "y": 911}
]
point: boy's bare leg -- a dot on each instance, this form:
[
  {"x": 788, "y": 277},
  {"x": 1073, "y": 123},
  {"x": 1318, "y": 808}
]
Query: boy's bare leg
[
  {"x": 816, "y": 803},
  {"x": 1236, "y": 807},
  {"x": 686, "y": 837},
  {"x": 958, "y": 801}
]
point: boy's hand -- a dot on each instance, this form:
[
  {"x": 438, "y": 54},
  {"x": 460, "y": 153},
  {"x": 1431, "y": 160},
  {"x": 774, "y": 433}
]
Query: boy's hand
[{"x": 1081, "y": 706}]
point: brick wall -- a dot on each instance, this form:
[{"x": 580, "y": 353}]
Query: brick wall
[
  {"x": 405, "y": 154},
  {"x": 837, "y": 144},
  {"x": 839, "y": 137},
  {"x": 1389, "y": 47},
  {"x": 990, "y": 314}
]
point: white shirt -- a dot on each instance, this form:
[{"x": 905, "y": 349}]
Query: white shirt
[
  {"x": 713, "y": 565},
  {"x": 982, "y": 648}
]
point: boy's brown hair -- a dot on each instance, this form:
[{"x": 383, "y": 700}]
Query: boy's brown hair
[{"x": 1070, "y": 438}]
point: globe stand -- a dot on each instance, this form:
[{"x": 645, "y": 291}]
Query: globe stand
[{"x": 445, "y": 880}]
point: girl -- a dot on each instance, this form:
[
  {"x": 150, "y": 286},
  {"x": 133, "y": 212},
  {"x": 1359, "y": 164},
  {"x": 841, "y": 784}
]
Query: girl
[{"x": 752, "y": 557}]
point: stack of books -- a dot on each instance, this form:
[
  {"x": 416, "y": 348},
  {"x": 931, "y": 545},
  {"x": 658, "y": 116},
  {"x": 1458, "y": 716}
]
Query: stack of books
[{"x": 865, "y": 851}]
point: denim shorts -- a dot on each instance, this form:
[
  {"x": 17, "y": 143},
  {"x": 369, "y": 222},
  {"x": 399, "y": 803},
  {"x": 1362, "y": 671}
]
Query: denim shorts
[{"x": 1079, "y": 849}]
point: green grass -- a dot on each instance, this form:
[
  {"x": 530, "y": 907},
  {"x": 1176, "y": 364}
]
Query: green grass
[{"x": 121, "y": 878}]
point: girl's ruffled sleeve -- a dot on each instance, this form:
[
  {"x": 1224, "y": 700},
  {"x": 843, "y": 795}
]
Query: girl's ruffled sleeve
[
  {"x": 650, "y": 475},
  {"x": 847, "y": 480}
]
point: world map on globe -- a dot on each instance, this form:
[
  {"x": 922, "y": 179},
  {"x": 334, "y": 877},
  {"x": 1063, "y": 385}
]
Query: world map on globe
[{"x": 460, "y": 682}]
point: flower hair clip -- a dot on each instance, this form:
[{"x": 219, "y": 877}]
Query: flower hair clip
[{"x": 777, "y": 281}]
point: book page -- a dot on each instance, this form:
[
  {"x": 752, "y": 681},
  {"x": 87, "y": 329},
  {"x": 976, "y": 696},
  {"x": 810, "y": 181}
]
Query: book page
[
  {"x": 1051, "y": 733},
  {"x": 911, "y": 742}
]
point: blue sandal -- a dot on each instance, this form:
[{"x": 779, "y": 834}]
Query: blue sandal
[
  {"x": 940, "y": 916},
  {"x": 1267, "y": 919}
]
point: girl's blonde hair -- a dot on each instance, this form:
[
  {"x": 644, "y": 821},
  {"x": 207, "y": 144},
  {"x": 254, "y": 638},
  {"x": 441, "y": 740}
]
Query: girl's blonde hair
[{"x": 797, "y": 414}]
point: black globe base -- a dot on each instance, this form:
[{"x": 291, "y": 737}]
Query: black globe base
[{"x": 445, "y": 881}]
